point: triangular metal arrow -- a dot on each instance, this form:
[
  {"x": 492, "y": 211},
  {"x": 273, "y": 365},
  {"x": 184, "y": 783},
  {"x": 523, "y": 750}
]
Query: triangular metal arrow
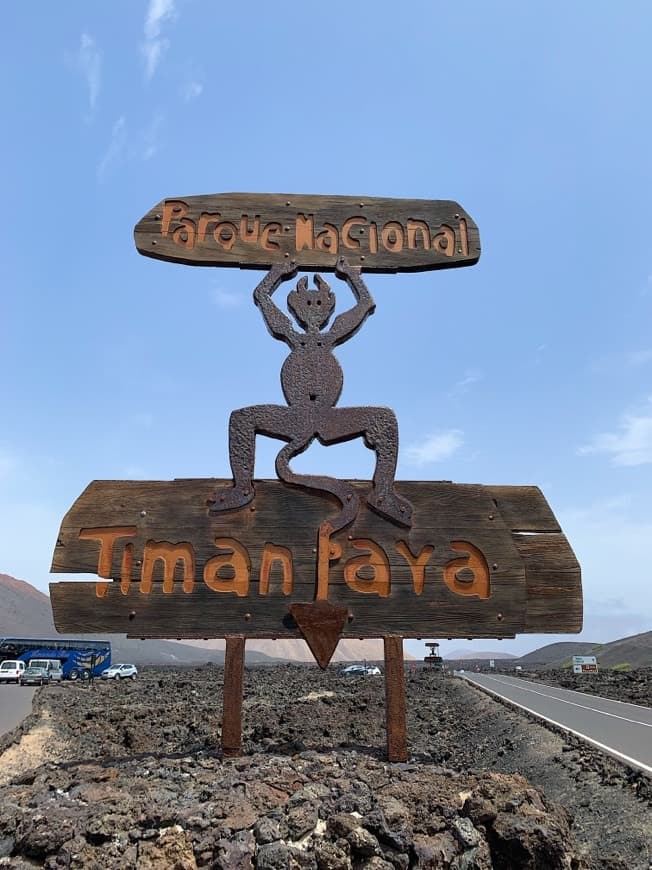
[{"x": 321, "y": 625}]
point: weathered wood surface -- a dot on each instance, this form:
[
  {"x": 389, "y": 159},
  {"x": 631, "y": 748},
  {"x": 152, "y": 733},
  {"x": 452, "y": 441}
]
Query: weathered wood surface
[
  {"x": 241, "y": 586},
  {"x": 255, "y": 230},
  {"x": 395, "y": 705},
  {"x": 232, "y": 698}
]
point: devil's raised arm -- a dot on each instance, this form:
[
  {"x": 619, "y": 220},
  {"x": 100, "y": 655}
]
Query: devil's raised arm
[
  {"x": 347, "y": 324},
  {"x": 278, "y": 323}
]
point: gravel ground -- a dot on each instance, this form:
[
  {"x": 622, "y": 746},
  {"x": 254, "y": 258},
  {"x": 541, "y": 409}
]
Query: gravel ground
[{"x": 131, "y": 776}]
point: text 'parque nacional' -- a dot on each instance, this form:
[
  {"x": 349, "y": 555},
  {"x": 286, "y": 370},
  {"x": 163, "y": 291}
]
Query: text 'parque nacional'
[{"x": 383, "y": 235}]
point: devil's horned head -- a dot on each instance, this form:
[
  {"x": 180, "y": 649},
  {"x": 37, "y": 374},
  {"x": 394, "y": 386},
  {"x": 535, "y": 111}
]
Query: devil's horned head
[{"x": 312, "y": 308}]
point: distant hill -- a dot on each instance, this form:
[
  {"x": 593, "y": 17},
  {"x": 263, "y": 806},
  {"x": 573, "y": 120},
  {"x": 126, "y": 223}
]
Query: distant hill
[
  {"x": 555, "y": 654},
  {"x": 460, "y": 655},
  {"x": 287, "y": 649},
  {"x": 26, "y": 612},
  {"x": 23, "y": 609},
  {"x": 635, "y": 651}
]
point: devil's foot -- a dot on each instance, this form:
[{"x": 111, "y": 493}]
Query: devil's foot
[
  {"x": 231, "y": 498},
  {"x": 392, "y": 506}
]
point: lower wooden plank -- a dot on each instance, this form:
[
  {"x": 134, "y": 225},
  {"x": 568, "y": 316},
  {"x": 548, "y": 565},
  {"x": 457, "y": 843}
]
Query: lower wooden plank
[
  {"x": 553, "y": 582},
  {"x": 205, "y": 614}
]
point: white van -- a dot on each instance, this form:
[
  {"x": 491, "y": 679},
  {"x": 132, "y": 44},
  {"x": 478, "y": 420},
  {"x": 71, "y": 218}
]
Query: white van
[{"x": 11, "y": 671}]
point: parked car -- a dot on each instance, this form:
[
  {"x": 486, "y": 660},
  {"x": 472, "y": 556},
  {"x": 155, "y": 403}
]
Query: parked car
[
  {"x": 120, "y": 672},
  {"x": 360, "y": 671},
  {"x": 34, "y": 676},
  {"x": 11, "y": 671},
  {"x": 51, "y": 666},
  {"x": 56, "y": 674}
]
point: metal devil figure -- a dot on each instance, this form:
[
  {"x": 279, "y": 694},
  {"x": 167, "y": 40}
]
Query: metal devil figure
[
  {"x": 311, "y": 379},
  {"x": 309, "y": 555}
]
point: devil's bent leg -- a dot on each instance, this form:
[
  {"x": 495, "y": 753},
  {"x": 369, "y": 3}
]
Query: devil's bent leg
[
  {"x": 379, "y": 429},
  {"x": 275, "y": 421}
]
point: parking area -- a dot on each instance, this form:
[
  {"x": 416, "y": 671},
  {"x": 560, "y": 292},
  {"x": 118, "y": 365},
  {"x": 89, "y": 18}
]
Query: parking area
[{"x": 15, "y": 704}]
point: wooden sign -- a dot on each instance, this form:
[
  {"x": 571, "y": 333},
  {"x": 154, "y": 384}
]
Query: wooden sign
[
  {"x": 257, "y": 230},
  {"x": 478, "y": 561},
  {"x": 309, "y": 555}
]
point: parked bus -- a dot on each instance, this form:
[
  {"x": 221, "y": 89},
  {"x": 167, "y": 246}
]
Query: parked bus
[{"x": 79, "y": 658}]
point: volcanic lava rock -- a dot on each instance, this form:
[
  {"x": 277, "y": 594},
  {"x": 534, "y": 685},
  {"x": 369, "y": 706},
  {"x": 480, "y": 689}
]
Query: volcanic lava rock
[{"x": 131, "y": 776}]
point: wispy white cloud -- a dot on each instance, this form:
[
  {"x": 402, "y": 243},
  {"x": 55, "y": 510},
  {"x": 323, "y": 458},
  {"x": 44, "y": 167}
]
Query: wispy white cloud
[
  {"x": 127, "y": 146},
  {"x": 646, "y": 289},
  {"x": 620, "y": 361},
  {"x": 610, "y": 539},
  {"x": 471, "y": 377},
  {"x": 88, "y": 62},
  {"x": 225, "y": 298},
  {"x": 151, "y": 137},
  {"x": 594, "y": 513},
  {"x": 630, "y": 445},
  {"x": 115, "y": 151},
  {"x": 191, "y": 90},
  {"x": 8, "y": 462},
  {"x": 436, "y": 447},
  {"x": 25, "y": 555},
  {"x": 639, "y": 357},
  {"x": 134, "y": 472},
  {"x": 154, "y": 45},
  {"x": 142, "y": 420}
]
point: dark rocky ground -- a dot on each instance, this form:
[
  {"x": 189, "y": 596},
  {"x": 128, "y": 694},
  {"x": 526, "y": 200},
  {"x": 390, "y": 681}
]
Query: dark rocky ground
[{"x": 134, "y": 779}]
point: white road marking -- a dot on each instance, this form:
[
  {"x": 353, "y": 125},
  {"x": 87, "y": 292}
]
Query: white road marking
[
  {"x": 571, "y": 703},
  {"x": 608, "y": 749},
  {"x": 589, "y": 695}
]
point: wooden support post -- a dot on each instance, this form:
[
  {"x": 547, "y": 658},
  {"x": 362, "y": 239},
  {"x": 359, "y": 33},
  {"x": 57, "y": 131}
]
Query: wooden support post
[
  {"x": 395, "y": 699},
  {"x": 232, "y": 700}
]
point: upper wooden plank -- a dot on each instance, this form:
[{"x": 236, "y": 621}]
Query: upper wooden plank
[
  {"x": 256, "y": 230},
  {"x": 524, "y": 508}
]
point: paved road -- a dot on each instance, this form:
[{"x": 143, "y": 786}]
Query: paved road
[
  {"x": 15, "y": 704},
  {"x": 622, "y": 730}
]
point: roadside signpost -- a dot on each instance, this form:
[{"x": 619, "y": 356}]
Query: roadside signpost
[
  {"x": 585, "y": 664},
  {"x": 308, "y": 555},
  {"x": 433, "y": 659}
]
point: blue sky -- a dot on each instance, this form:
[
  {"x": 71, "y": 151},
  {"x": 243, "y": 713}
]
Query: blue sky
[{"x": 533, "y": 367}]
